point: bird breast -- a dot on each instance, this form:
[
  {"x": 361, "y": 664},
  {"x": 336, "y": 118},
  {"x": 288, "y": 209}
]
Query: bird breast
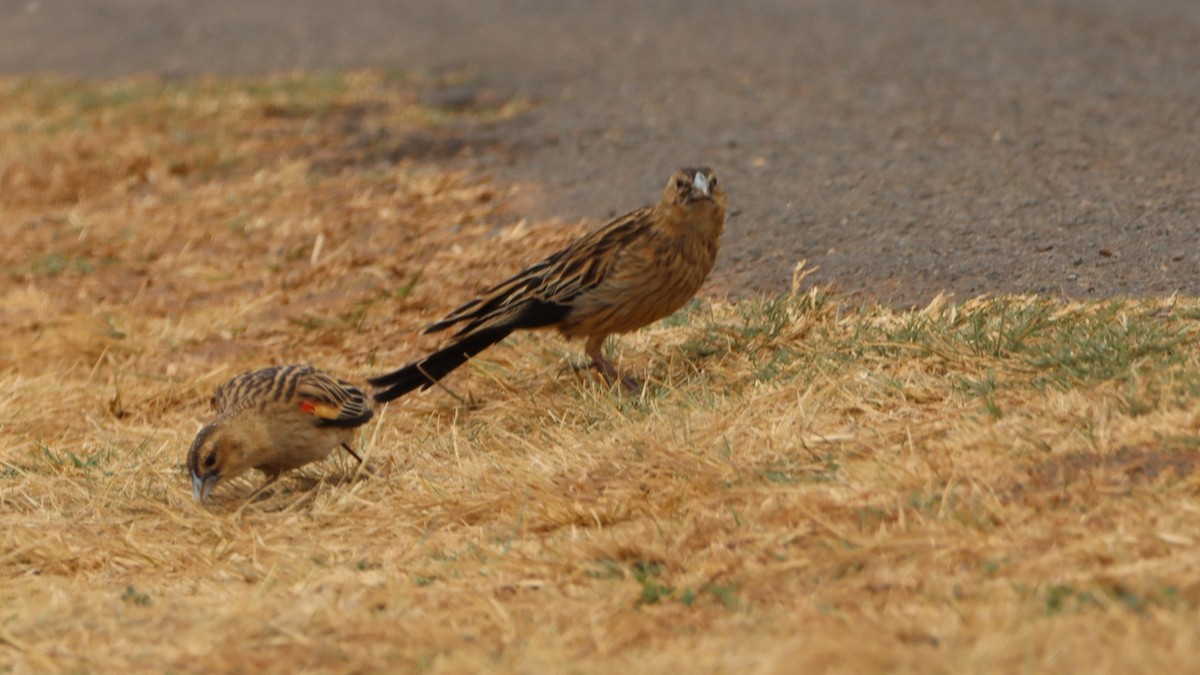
[{"x": 650, "y": 280}]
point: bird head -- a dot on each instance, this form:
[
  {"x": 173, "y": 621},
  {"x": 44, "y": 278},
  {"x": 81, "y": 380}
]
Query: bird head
[
  {"x": 692, "y": 185},
  {"x": 221, "y": 450}
]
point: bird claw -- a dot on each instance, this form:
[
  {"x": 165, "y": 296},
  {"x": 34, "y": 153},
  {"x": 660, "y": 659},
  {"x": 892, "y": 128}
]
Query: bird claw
[
  {"x": 631, "y": 385},
  {"x": 610, "y": 375},
  {"x": 370, "y": 469}
]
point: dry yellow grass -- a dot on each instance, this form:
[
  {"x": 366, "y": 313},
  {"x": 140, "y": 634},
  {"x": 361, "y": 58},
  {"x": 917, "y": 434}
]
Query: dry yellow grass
[{"x": 1005, "y": 484}]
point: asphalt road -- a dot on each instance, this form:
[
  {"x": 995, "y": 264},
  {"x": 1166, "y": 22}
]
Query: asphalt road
[{"x": 904, "y": 146}]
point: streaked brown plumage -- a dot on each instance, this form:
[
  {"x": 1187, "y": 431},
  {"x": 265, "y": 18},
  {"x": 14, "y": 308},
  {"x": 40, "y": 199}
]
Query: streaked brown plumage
[
  {"x": 274, "y": 420},
  {"x": 632, "y": 272}
]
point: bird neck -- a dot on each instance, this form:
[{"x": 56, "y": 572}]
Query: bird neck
[{"x": 703, "y": 219}]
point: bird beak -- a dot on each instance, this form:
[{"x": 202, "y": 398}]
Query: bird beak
[
  {"x": 700, "y": 182},
  {"x": 203, "y": 485}
]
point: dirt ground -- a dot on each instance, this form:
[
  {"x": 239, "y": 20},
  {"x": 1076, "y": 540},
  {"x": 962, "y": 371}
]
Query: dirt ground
[{"x": 903, "y": 147}]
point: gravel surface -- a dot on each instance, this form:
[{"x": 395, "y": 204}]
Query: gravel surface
[{"x": 906, "y": 147}]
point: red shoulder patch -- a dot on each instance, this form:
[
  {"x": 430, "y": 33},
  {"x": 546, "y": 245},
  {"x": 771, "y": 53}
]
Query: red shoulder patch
[{"x": 307, "y": 407}]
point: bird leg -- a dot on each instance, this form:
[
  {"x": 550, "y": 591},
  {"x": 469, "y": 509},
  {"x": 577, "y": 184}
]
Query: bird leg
[
  {"x": 347, "y": 448},
  {"x": 595, "y": 351},
  {"x": 367, "y": 468}
]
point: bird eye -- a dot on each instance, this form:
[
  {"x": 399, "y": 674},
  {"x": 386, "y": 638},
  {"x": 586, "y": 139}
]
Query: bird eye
[{"x": 211, "y": 460}]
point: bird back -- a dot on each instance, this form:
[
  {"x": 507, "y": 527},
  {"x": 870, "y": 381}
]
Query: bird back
[
  {"x": 331, "y": 401},
  {"x": 542, "y": 294}
]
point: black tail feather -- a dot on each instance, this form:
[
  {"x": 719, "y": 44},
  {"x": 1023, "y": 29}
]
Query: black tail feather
[{"x": 422, "y": 374}]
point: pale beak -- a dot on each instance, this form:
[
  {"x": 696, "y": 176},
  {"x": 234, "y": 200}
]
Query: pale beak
[
  {"x": 700, "y": 182},
  {"x": 203, "y": 485}
]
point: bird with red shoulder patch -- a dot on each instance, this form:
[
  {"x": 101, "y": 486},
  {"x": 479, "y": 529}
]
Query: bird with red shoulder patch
[{"x": 274, "y": 420}]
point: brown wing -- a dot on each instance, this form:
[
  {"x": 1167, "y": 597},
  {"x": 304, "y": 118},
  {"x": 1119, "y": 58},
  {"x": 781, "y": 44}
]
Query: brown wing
[
  {"x": 542, "y": 293},
  {"x": 331, "y": 401}
]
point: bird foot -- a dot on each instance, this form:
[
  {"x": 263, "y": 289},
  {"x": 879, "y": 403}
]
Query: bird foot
[
  {"x": 631, "y": 385},
  {"x": 371, "y": 469},
  {"x": 368, "y": 468},
  {"x": 610, "y": 374}
]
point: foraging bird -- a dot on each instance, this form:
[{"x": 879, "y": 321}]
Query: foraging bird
[
  {"x": 274, "y": 420},
  {"x": 630, "y": 273}
]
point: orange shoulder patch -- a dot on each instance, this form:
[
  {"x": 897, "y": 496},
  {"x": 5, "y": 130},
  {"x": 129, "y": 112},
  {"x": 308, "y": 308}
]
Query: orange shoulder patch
[{"x": 320, "y": 409}]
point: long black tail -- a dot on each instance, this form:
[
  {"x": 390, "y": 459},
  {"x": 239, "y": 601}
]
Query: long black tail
[{"x": 437, "y": 365}]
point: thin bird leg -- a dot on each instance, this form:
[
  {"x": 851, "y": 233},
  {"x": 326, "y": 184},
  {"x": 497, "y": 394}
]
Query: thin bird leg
[
  {"x": 595, "y": 351},
  {"x": 347, "y": 448},
  {"x": 365, "y": 467}
]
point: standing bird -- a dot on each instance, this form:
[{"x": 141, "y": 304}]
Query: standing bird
[
  {"x": 628, "y": 274},
  {"x": 274, "y": 420}
]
